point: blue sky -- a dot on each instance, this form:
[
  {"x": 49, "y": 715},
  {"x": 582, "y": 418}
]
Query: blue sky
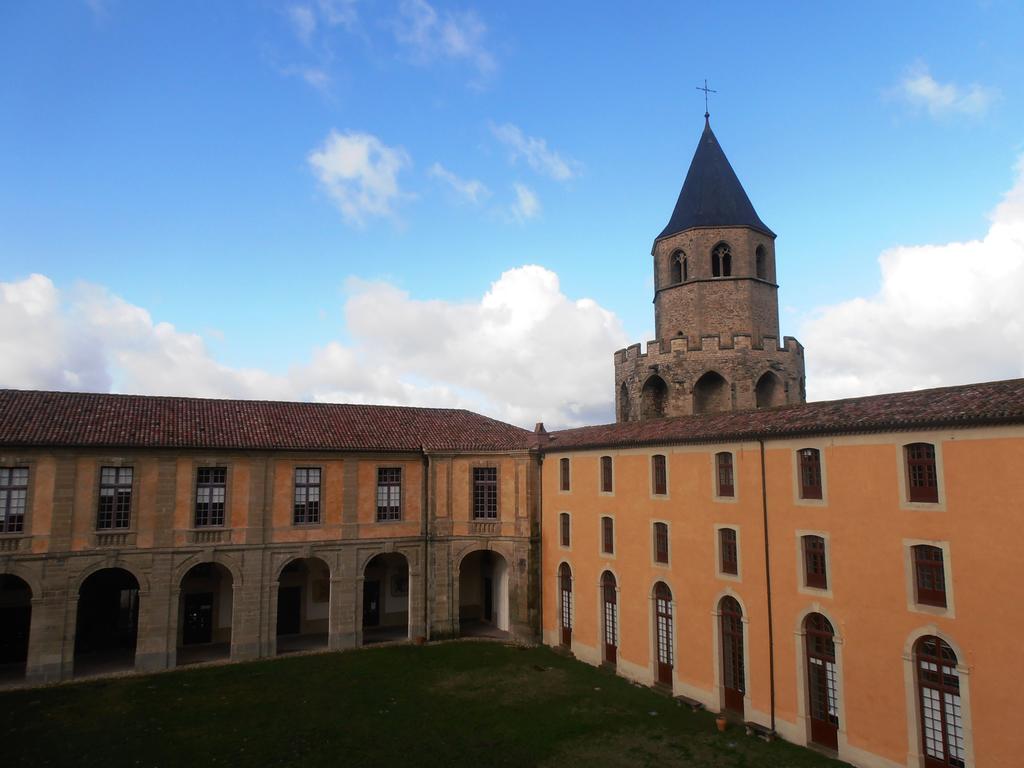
[{"x": 247, "y": 175}]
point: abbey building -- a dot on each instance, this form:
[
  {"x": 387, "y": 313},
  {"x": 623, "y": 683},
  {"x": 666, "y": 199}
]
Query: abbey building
[{"x": 836, "y": 572}]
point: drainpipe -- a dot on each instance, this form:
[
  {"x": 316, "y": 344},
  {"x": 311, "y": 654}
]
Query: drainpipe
[{"x": 768, "y": 586}]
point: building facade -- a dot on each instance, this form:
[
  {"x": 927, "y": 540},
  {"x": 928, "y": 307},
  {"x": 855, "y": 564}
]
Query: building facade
[{"x": 142, "y": 533}]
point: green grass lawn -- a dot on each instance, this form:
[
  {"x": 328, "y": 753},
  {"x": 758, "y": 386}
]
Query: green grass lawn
[{"x": 456, "y": 704}]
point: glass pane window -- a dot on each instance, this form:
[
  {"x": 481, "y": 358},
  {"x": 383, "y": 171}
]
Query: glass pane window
[
  {"x": 727, "y": 548},
  {"x": 929, "y": 575},
  {"x": 307, "y": 496},
  {"x": 389, "y": 494},
  {"x": 13, "y": 495},
  {"x": 661, "y": 542},
  {"x": 563, "y": 529},
  {"x": 563, "y": 471},
  {"x": 115, "y": 504},
  {"x": 810, "y": 473},
  {"x": 723, "y": 466},
  {"x": 659, "y": 476},
  {"x": 606, "y": 474},
  {"x": 922, "y": 478},
  {"x": 607, "y": 535},
  {"x": 814, "y": 562},
  {"x": 211, "y": 490},
  {"x": 485, "y": 493}
]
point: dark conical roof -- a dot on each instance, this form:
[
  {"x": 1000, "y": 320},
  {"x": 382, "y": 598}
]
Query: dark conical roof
[{"x": 712, "y": 196}]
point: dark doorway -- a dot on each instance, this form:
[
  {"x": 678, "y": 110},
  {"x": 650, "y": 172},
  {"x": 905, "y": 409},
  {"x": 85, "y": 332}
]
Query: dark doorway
[
  {"x": 205, "y": 613},
  {"x": 289, "y": 610},
  {"x": 108, "y": 622},
  {"x": 653, "y": 398},
  {"x": 371, "y": 603},
  {"x": 488, "y": 599},
  {"x": 711, "y": 394},
  {"x": 15, "y": 622},
  {"x": 769, "y": 391},
  {"x": 198, "y": 619},
  {"x": 483, "y": 595}
]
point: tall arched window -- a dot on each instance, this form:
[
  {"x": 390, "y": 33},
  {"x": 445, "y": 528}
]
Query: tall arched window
[
  {"x": 733, "y": 672},
  {"x": 938, "y": 685},
  {"x": 760, "y": 263},
  {"x": 663, "y": 631},
  {"x": 721, "y": 260},
  {"x": 678, "y": 265},
  {"x": 609, "y": 599},
  {"x": 565, "y": 603},
  {"x": 822, "y": 682}
]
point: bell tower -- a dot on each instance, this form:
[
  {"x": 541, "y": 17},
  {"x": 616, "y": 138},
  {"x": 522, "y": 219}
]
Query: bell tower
[{"x": 716, "y": 307}]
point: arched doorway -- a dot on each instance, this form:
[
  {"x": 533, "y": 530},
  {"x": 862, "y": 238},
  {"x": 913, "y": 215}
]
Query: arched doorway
[
  {"x": 610, "y": 617},
  {"x": 653, "y": 398},
  {"x": 822, "y": 683},
  {"x": 108, "y": 622},
  {"x": 303, "y": 605},
  {"x": 386, "y": 599},
  {"x": 711, "y": 394},
  {"x": 733, "y": 667},
  {"x": 938, "y": 696},
  {"x": 483, "y": 595},
  {"x": 15, "y": 623},
  {"x": 769, "y": 391},
  {"x": 205, "y": 609},
  {"x": 663, "y": 633},
  {"x": 565, "y": 604}
]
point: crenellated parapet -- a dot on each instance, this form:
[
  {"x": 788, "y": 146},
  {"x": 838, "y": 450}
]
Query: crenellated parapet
[{"x": 680, "y": 378}]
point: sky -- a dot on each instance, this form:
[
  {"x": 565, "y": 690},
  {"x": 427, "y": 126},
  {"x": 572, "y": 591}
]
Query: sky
[{"x": 453, "y": 205}]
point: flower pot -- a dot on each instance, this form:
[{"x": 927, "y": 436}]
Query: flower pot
[{"x": 720, "y": 723}]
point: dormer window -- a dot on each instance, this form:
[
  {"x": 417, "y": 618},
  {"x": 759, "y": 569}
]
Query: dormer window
[
  {"x": 761, "y": 263},
  {"x": 721, "y": 260},
  {"x": 679, "y": 269}
]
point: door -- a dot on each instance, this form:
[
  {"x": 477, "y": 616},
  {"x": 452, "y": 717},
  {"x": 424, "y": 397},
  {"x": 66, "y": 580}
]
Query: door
[
  {"x": 289, "y": 610},
  {"x": 198, "y": 619},
  {"x": 823, "y": 699},
  {"x": 488, "y": 599},
  {"x": 371, "y": 603},
  {"x": 611, "y": 619},
  {"x": 663, "y": 632},
  {"x": 733, "y": 673},
  {"x": 565, "y": 609}
]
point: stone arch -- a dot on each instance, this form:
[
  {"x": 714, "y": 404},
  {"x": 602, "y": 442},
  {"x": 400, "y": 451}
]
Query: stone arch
[
  {"x": 114, "y": 564},
  {"x": 811, "y": 732},
  {"x": 302, "y": 615},
  {"x": 484, "y": 584},
  {"x": 386, "y": 597},
  {"x": 26, "y": 575},
  {"x": 16, "y": 598},
  {"x": 205, "y": 612},
  {"x": 653, "y": 398},
  {"x": 107, "y": 619},
  {"x": 769, "y": 391},
  {"x": 625, "y": 406},
  {"x": 711, "y": 393},
  {"x": 219, "y": 558}
]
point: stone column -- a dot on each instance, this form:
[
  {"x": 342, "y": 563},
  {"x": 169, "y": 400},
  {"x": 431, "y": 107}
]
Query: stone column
[{"x": 46, "y": 638}]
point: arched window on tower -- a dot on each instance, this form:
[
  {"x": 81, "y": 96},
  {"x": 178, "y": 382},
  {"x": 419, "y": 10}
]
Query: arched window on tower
[
  {"x": 761, "y": 263},
  {"x": 721, "y": 260},
  {"x": 625, "y": 409},
  {"x": 653, "y": 398},
  {"x": 678, "y": 267}
]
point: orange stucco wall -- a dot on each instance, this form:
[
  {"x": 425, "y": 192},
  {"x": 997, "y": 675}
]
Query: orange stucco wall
[{"x": 869, "y": 601}]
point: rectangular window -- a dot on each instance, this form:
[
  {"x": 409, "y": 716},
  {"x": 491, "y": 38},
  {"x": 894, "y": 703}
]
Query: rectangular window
[
  {"x": 13, "y": 493},
  {"x": 659, "y": 476},
  {"x": 810, "y": 473},
  {"x": 389, "y": 494},
  {"x": 661, "y": 542},
  {"x": 723, "y": 465},
  {"x": 307, "y": 496},
  {"x": 115, "y": 506},
  {"x": 563, "y": 529},
  {"x": 607, "y": 535},
  {"x": 485, "y": 493},
  {"x": 929, "y": 575},
  {"x": 563, "y": 474},
  {"x": 922, "y": 479},
  {"x": 727, "y": 549},
  {"x": 815, "y": 574},
  {"x": 211, "y": 488},
  {"x": 606, "y": 474}
]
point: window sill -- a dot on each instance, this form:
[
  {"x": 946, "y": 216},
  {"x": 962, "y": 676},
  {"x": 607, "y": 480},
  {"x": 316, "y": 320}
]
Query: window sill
[
  {"x": 12, "y": 542},
  {"x": 114, "y": 537},
  {"x": 209, "y": 535}
]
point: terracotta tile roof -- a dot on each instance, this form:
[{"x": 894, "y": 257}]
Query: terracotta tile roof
[
  {"x": 996, "y": 402},
  {"x": 29, "y": 418}
]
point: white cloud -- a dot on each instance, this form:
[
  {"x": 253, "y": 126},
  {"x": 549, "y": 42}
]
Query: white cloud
[
  {"x": 526, "y": 206},
  {"x": 471, "y": 190},
  {"x": 343, "y": 13},
  {"x": 945, "y": 314},
  {"x": 360, "y": 173},
  {"x": 524, "y": 351},
  {"x": 303, "y": 22},
  {"x": 430, "y": 36},
  {"x": 922, "y": 91},
  {"x": 536, "y": 153},
  {"x": 317, "y": 77}
]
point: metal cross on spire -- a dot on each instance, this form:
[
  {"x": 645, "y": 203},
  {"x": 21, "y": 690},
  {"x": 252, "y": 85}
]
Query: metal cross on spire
[{"x": 706, "y": 90}]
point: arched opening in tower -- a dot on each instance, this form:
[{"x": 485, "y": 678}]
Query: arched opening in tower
[
  {"x": 625, "y": 409},
  {"x": 711, "y": 394},
  {"x": 769, "y": 391},
  {"x": 653, "y": 398}
]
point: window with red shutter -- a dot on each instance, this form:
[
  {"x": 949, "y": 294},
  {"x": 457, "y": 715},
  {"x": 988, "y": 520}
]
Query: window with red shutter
[
  {"x": 723, "y": 465},
  {"x": 810, "y": 473},
  {"x": 922, "y": 477},
  {"x": 815, "y": 574},
  {"x": 659, "y": 476},
  {"x": 660, "y": 543},
  {"x": 727, "y": 549},
  {"x": 929, "y": 575}
]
